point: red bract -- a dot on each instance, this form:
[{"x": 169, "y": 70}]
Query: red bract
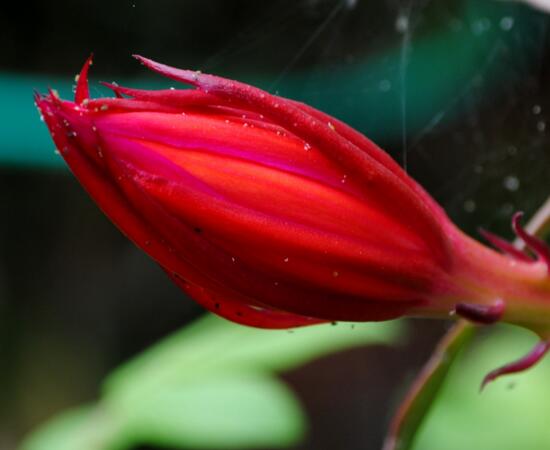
[{"x": 273, "y": 214}]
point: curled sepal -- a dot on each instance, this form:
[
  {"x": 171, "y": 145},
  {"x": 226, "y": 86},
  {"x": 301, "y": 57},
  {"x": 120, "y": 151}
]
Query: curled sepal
[
  {"x": 484, "y": 314},
  {"x": 528, "y": 361},
  {"x": 504, "y": 246},
  {"x": 538, "y": 246}
]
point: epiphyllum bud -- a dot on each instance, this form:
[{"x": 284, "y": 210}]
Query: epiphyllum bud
[{"x": 273, "y": 214}]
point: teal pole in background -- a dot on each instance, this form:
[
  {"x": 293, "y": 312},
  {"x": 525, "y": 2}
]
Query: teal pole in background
[{"x": 418, "y": 82}]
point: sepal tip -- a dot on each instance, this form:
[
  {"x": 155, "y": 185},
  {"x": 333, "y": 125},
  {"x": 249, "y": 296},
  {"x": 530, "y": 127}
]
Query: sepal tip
[
  {"x": 538, "y": 246},
  {"x": 528, "y": 361}
]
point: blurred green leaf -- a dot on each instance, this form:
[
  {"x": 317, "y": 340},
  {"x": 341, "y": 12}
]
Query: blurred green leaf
[
  {"x": 213, "y": 345},
  {"x": 233, "y": 411},
  {"x": 230, "y": 412},
  {"x": 511, "y": 413},
  {"x": 210, "y": 385},
  {"x": 87, "y": 427},
  {"x": 426, "y": 387}
]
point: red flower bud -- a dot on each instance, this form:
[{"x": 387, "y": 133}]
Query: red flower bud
[{"x": 273, "y": 214}]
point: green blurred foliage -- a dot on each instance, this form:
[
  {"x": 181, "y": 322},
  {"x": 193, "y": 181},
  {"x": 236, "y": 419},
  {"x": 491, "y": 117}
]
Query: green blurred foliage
[
  {"x": 211, "y": 385},
  {"x": 426, "y": 387},
  {"x": 509, "y": 414}
]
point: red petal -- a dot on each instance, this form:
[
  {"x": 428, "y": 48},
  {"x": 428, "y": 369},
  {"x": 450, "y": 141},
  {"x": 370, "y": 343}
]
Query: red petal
[
  {"x": 387, "y": 186},
  {"x": 239, "y": 309},
  {"x": 82, "y": 91}
]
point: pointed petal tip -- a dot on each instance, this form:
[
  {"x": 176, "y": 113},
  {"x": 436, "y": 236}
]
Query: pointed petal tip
[
  {"x": 119, "y": 90},
  {"x": 504, "y": 246},
  {"x": 82, "y": 92},
  {"x": 151, "y": 63},
  {"x": 112, "y": 86},
  {"x": 53, "y": 97},
  {"x": 517, "y": 216},
  {"x": 486, "y": 380},
  {"x": 39, "y": 102},
  {"x": 183, "y": 75},
  {"x": 146, "y": 61},
  {"x": 538, "y": 246},
  {"x": 36, "y": 96}
]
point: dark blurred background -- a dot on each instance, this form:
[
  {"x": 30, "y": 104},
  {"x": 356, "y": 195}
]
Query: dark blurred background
[{"x": 457, "y": 91}]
